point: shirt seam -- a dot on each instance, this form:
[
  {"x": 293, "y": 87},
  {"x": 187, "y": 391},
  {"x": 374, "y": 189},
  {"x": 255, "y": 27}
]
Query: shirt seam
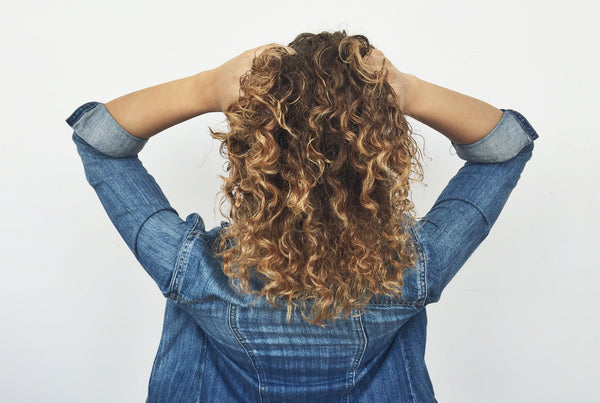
[
  {"x": 407, "y": 371},
  {"x": 525, "y": 125},
  {"x": 181, "y": 262},
  {"x": 423, "y": 273},
  {"x": 238, "y": 336},
  {"x": 358, "y": 358},
  {"x": 79, "y": 112},
  {"x": 135, "y": 243},
  {"x": 487, "y": 222}
]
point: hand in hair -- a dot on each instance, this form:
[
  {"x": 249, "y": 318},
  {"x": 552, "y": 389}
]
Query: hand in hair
[
  {"x": 226, "y": 77},
  {"x": 400, "y": 82}
]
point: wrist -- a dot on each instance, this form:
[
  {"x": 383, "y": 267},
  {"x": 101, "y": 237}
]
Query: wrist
[
  {"x": 407, "y": 92},
  {"x": 206, "y": 97}
]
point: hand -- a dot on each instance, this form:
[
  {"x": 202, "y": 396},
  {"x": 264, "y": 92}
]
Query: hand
[
  {"x": 402, "y": 83},
  {"x": 226, "y": 78}
]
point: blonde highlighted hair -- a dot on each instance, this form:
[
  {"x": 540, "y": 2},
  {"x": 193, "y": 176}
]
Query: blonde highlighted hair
[{"x": 320, "y": 157}]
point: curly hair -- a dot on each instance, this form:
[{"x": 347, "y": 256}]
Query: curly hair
[{"x": 320, "y": 157}]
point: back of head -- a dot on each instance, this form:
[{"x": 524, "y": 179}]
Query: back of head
[{"x": 320, "y": 158}]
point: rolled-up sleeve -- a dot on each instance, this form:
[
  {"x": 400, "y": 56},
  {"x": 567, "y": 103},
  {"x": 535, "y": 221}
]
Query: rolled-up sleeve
[
  {"x": 467, "y": 208},
  {"x": 505, "y": 141},
  {"x": 93, "y": 123},
  {"x": 134, "y": 202}
]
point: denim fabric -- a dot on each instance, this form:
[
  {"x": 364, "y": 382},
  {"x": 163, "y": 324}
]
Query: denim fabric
[{"x": 216, "y": 347}]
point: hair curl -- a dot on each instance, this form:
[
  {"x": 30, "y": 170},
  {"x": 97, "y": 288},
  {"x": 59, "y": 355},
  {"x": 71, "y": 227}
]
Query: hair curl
[{"x": 319, "y": 159}]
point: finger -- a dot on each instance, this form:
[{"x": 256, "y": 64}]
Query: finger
[
  {"x": 257, "y": 51},
  {"x": 375, "y": 60}
]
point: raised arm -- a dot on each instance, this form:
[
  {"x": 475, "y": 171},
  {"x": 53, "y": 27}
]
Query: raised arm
[
  {"x": 478, "y": 131},
  {"x": 146, "y": 112},
  {"x": 149, "y": 111},
  {"x": 461, "y": 118},
  {"x": 109, "y": 137},
  {"x": 496, "y": 143}
]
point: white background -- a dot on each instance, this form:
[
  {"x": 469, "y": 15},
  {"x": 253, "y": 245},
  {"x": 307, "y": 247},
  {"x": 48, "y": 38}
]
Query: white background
[{"x": 81, "y": 320}]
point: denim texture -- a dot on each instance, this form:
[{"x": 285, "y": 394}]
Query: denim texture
[{"x": 215, "y": 347}]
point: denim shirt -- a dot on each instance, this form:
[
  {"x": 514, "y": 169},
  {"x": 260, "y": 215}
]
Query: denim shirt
[{"x": 216, "y": 347}]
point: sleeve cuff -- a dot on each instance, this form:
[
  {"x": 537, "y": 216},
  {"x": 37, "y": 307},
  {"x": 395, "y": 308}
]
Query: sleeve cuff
[
  {"x": 505, "y": 141},
  {"x": 93, "y": 123}
]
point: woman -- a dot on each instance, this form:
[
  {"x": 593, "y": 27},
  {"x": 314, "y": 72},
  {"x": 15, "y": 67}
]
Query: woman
[{"x": 317, "y": 287}]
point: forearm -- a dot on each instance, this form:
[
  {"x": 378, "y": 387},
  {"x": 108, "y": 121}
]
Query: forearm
[
  {"x": 461, "y": 118},
  {"x": 146, "y": 112}
]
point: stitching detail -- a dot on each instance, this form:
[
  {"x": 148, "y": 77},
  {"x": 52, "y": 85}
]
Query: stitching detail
[
  {"x": 423, "y": 273},
  {"x": 393, "y": 302},
  {"x": 181, "y": 262},
  {"x": 525, "y": 125},
  {"x": 487, "y": 222},
  {"x": 135, "y": 243},
  {"x": 407, "y": 369},
  {"x": 79, "y": 112},
  {"x": 202, "y": 364},
  {"x": 238, "y": 336},
  {"x": 359, "y": 356}
]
